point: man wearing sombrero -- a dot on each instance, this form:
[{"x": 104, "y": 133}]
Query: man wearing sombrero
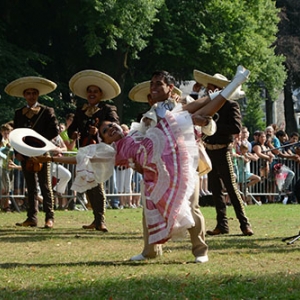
[
  {"x": 218, "y": 147},
  {"x": 95, "y": 87},
  {"x": 41, "y": 119},
  {"x": 160, "y": 90}
]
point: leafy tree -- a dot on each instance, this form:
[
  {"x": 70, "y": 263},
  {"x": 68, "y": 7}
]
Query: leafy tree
[
  {"x": 215, "y": 36},
  {"x": 129, "y": 39},
  {"x": 253, "y": 116}
]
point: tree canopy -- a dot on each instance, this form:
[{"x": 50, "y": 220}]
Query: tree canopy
[{"x": 129, "y": 39}]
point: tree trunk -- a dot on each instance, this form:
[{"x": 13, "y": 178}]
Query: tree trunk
[
  {"x": 289, "y": 113},
  {"x": 269, "y": 109}
]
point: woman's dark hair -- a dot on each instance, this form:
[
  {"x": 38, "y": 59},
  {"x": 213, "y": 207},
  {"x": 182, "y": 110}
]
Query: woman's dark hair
[
  {"x": 280, "y": 133},
  {"x": 260, "y": 133}
]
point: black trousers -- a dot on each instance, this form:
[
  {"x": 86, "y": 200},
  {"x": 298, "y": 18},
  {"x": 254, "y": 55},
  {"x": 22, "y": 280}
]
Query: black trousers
[
  {"x": 222, "y": 171},
  {"x": 44, "y": 180},
  {"x": 97, "y": 199}
]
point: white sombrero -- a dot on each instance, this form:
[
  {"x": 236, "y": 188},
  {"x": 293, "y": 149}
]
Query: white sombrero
[
  {"x": 30, "y": 143},
  {"x": 218, "y": 79},
  {"x": 139, "y": 93},
  {"x": 17, "y": 87},
  {"x": 82, "y": 80}
]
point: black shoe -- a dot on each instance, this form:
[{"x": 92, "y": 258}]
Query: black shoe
[
  {"x": 217, "y": 231},
  {"x": 247, "y": 231},
  {"x": 27, "y": 223}
]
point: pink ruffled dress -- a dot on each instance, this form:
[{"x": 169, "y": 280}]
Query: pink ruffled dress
[{"x": 168, "y": 154}]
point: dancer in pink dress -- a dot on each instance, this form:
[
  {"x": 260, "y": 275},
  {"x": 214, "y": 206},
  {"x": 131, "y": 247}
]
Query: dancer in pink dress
[{"x": 167, "y": 155}]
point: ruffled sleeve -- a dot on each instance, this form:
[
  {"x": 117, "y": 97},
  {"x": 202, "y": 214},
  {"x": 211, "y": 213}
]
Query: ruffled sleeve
[{"x": 95, "y": 164}]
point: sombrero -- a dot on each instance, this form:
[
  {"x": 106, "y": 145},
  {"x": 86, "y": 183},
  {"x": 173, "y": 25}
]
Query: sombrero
[
  {"x": 82, "y": 80},
  {"x": 17, "y": 87},
  {"x": 30, "y": 143},
  {"x": 139, "y": 93},
  {"x": 218, "y": 80}
]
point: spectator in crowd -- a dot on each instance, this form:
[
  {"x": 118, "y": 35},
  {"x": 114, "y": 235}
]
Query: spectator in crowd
[
  {"x": 95, "y": 87},
  {"x": 42, "y": 119},
  {"x": 61, "y": 174},
  {"x": 7, "y": 173},
  {"x": 136, "y": 188},
  {"x": 291, "y": 146},
  {"x": 272, "y": 140},
  {"x": 275, "y": 145},
  {"x": 72, "y": 146},
  {"x": 19, "y": 187},
  {"x": 245, "y": 177},
  {"x": 245, "y": 138},
  {"x": 292, "y": 143},
  {"x": 286, "y": 148},
  {"x": 266, "y": 157},
  {"x": 124, "y": 179},
  {"x": 203, "y": 186},
  {"x": 255, "y": 138},
  {"x": 113, "y": 201}
]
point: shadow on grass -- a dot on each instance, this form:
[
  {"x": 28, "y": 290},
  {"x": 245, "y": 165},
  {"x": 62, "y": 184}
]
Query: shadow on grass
[
  {"x": 96, "y": 263},
  {"x": 41, "y": 234},
  {"x": 240, "y": 242}
]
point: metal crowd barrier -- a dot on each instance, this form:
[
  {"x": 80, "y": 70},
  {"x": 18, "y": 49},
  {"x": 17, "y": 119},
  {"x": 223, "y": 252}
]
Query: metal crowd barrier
[
  {"x": 18, "y": 186},
  {"x": 266, "y": 187},
  {"x": 268, "y": 184}
]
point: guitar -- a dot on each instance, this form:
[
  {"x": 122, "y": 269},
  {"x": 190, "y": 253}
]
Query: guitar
[{"x": 89, "y": 140}]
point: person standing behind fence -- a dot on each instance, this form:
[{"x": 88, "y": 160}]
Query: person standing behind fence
[
  {"x": 123, "y": 180},
  {"x": 61, "y": 174},
  {"x": 42, "y": 119},
  {"x": 218, "y": 147},
  {"x": 273, "y": 142},
  {"x": 95, "y": 87},
  {"x": 262, "y": 167},
  {"x": 7, "y": 172},
  {"x": 72, "y": 146},
  {"x": 243, "y": 162},
  {"x": 245, "y": 138}
]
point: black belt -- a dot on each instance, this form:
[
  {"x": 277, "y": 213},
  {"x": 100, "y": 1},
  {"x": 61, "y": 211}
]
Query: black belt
[{"x": 216, "y": 146}]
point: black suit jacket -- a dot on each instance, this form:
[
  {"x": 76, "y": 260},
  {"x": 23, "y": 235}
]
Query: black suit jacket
[
  {"x": 228, "y": 124},
  {"x": 45, "y": 122}
]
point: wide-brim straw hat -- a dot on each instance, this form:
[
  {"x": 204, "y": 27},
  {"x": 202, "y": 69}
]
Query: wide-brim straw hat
[
  {"x": 218, "y": 80},
  {"x": 140, "y": 92},
  {"x": 17, "y": 87},
  {"x": 29, "y": 143},
  {"x": 83, "y": 79}
]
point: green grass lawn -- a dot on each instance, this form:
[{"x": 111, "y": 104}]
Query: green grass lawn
[{"x": 70, "y": 263}]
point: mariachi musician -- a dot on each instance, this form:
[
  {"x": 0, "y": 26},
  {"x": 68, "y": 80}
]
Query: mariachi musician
[
  {"x": 42, "y": 119},
  {"x": 95, "y": 87}
]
